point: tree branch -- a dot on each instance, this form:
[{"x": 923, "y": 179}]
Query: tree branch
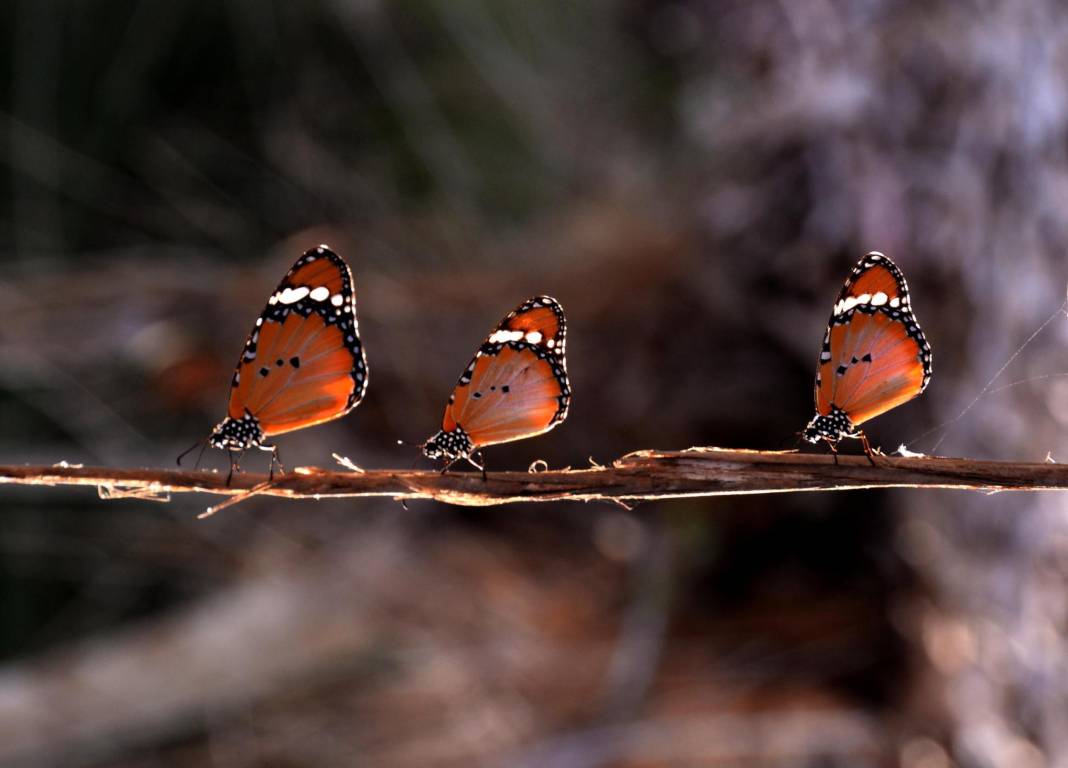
[{"x": 636, "y": 477}]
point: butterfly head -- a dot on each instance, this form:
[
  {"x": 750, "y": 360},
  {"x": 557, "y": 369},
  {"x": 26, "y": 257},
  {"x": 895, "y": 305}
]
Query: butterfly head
[
  {"x": 814, "y": 431},
  {"x": 833, "y": 426},
  {"x": 451, "y": 445},
  {"x": 236, "y": 434}
]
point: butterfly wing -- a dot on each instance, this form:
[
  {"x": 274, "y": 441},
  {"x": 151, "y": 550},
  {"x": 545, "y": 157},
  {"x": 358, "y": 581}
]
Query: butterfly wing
[
  {"x": 875, "y": 356},
  {"x": 516, "y": 386},
  {"x": 303, "y": 363}
]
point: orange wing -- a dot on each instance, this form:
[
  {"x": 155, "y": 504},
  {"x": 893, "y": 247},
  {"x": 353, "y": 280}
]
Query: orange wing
[
  {"x": 873, "y": 277},
  {"x": 516, "y": 386},
  {"x": 547, "y": 320},
  {"x": 303, "y": 363},
  {"x": 875, "y": 366},
  {"x": 875, "y": 356}
]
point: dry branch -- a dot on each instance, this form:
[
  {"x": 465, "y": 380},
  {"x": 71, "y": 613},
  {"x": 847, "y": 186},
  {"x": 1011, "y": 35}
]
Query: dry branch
[{"x": 636, "y": 477}]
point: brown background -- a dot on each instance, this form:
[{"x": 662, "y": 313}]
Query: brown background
[{"x": 693, "y": 181}]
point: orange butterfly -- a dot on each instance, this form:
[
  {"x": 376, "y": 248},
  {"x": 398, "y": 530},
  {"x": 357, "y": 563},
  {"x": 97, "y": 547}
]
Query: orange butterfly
[
  {"x": 303, "y": 362},
  {"x": 874, "y": 357},
  {"x": 515, "y": 387}
]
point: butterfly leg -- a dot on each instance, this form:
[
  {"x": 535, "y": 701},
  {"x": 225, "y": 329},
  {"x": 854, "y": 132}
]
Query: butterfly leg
[
  {"x": 275, "y": 459},
  {"x": 834, "y": 449},
  {"x": 480, "y": 464},
  {"x": 868, "y": 450},
  {"x": 448, "y": 466},
  {"x": 235, "y": 465}
]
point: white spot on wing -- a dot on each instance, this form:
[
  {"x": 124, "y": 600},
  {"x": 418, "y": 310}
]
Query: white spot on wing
[
  {"x": 290, "y": 295},
  {"x": 320, "y": 293},
  {"x": 502, "y": 336},
  {"x": 337, "y": 299},
  {"x": 533, "y": 337},
  {"x": 849, "y": 302}
]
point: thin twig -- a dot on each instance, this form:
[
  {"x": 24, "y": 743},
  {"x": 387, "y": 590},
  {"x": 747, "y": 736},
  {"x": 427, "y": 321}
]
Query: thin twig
[{"x": 636, "y": 477}]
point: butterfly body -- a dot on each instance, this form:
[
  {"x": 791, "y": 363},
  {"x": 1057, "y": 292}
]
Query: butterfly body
[
  {"x": 450, "y": 446},
  {"x": 237, "y": 434},
  {"x": 303, "y": 362},
  {"x": 874, "y": 355},
  {"x": 516, "y": 385}
]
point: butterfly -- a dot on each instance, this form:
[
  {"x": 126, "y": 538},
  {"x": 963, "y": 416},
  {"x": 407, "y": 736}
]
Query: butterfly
[
  {"x": 303, "y": 362},
  {"x": 874, "y": 357},
  {"x": 515, "y": 387}
]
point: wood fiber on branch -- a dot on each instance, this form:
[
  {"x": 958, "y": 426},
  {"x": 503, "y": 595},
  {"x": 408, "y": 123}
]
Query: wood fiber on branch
[{"x": 641, "y": 476}]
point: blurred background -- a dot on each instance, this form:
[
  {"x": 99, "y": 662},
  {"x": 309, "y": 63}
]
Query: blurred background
[{"x": 693, "y": 180}]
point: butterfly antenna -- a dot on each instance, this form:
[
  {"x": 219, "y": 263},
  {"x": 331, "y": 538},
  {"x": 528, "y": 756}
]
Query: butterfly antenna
[
  {"x": 200, "y": 455},
  {"x": 410, "y": 444},
  {"x": 796, "y": 439},
  {"x": 203, "y": 442}
]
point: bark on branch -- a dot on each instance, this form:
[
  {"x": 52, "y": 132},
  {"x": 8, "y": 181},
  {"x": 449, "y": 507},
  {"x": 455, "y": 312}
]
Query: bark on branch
[{"x": 641, "y": 476}]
